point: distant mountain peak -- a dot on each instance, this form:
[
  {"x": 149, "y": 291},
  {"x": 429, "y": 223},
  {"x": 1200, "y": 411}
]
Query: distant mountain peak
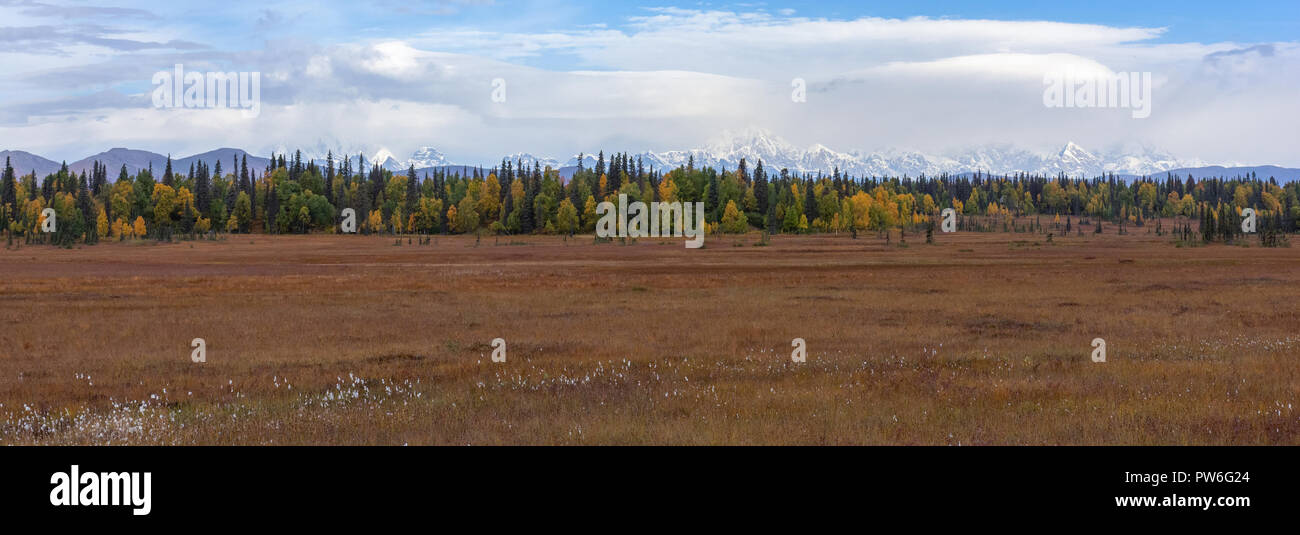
[
  {"x": 999, "y": 158},
  {"x": 25, "y": 162},
  {"x": 425, "y": 157},
  {"x": 754, "y": 145}
]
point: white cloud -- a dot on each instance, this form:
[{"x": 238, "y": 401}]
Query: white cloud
[{"x": 673, "y": 78}]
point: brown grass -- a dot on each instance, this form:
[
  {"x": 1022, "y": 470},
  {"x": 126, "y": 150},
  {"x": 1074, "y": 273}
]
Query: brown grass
[{"x": 978, "y": 339}]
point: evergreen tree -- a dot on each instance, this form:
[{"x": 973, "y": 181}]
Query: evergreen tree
[
  {"x": 245, "y": 183},
  {"x": 8, "y": 190},
  {"x": 168, "y": 178},
  {"x": 772, "y": 224},
  {"x": 809, "y": 202},
  {"x": 272, "y": 209},
  {"x": 88, "y": 213},
  {"x": 99, "y": 180},
  {"x": 711, "y": 202},
  {"x": 329, "y": 177},
  {"x": 412, "y": 192},
  {"x": 203, "y": 189}
]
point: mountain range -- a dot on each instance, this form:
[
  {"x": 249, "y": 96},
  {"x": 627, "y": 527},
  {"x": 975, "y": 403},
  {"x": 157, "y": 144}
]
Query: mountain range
[
  {"x": 134, "y": 161},
  {"x": 1072, "y": 159},
  {"x": 727, "y": 151}
]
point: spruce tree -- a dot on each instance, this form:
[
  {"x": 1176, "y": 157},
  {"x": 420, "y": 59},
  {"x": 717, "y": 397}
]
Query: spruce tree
[
  {"x": 203, "y": 189},
  {"x": 810, "y": 202},
  {"x": 168, "y": 178},
  {"x": 772, "y": 224},
  {"x": 8, "y": 189},
  {"x": 412, "y": 192},
  {"x": 711, "y": 202}
]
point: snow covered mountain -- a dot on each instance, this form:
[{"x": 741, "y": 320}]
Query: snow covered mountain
[
  {"x": 528, "y": 160},
  {"x": 1072, "y": 159},
  {"x": 427, "y": 157},
  {"x": 386, "y": 160},
  {"x": 775, "y": 153},
  {"x": 588, "y": 161},
  {"x": 754, "y": 145}
]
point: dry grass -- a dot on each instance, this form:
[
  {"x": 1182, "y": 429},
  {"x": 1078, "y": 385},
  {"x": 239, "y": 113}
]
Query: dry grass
[{"x": 978, "y": 339}]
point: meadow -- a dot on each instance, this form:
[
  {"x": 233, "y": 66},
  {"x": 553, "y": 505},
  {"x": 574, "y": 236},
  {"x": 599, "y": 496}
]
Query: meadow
[{"x": 979, "y": 338}]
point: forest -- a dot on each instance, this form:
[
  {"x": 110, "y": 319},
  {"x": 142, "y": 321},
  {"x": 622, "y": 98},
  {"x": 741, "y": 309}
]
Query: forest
[{"x": 291, "y": 196}]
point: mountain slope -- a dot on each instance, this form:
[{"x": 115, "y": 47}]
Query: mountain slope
[
  {"x": 727, "y": 151},
  {"x": 114, "y": 159},
  {"x": 1262, "y": 172},
  {"x": 25, "y": 162},
  {"x": 1072, "y": 159},
  {"x": 226, "y": 156}
]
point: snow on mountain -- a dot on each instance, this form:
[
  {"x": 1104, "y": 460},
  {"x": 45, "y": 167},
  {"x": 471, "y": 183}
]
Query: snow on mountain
[
  {"x": 588, "y": 161},
  {"x": 386, "y": 160},
  {"x": 528, "y": 160},
  {"x": 425, "y": 157},
  {"x": 754, "y": 145},
  {"x": 726, "y": 152},
  {"x": 1143, "y": 160},
  {"x": 1072, "y": 159}
]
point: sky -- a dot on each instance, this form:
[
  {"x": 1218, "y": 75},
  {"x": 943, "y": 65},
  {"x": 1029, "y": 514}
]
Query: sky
[{"x": 77, "y": 77}]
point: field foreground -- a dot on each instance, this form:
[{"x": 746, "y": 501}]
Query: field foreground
[{"x": 977, "y": 339}]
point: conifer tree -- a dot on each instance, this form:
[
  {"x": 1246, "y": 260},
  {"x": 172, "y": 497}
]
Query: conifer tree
[
  {"x": 168, "y": 178},
  {"x": 8, "y": 190}
]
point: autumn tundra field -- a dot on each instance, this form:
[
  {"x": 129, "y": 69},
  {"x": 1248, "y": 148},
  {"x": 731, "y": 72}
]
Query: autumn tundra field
[{"x": 979, "y": 338}]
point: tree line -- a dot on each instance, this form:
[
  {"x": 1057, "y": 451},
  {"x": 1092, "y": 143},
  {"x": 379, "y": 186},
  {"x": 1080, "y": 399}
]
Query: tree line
[{"x": 293, "y": 196}]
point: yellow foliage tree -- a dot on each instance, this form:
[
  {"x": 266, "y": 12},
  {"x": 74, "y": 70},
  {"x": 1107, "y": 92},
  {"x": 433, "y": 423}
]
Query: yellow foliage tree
[
  {"x": 567, "y": 217},
  {"x": 732, "y": 220},
  {"x": 489, "y": 203},
  {"x": 860, "y": 208},
  {"x": 397, "y": 220},
  {"x": 451, "y": 219},
  {"x": 589, "y": 213},
  {"x": 101, "y": 222}
]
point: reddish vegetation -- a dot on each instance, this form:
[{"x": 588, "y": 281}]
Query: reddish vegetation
[{"x": 978, "y": 339}]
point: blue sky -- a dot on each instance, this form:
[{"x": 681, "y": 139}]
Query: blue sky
[
  {"x": 1192, "y": 20},
  {"x": 396, "y": 76},
  {"x": 229, "y": 24}
]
